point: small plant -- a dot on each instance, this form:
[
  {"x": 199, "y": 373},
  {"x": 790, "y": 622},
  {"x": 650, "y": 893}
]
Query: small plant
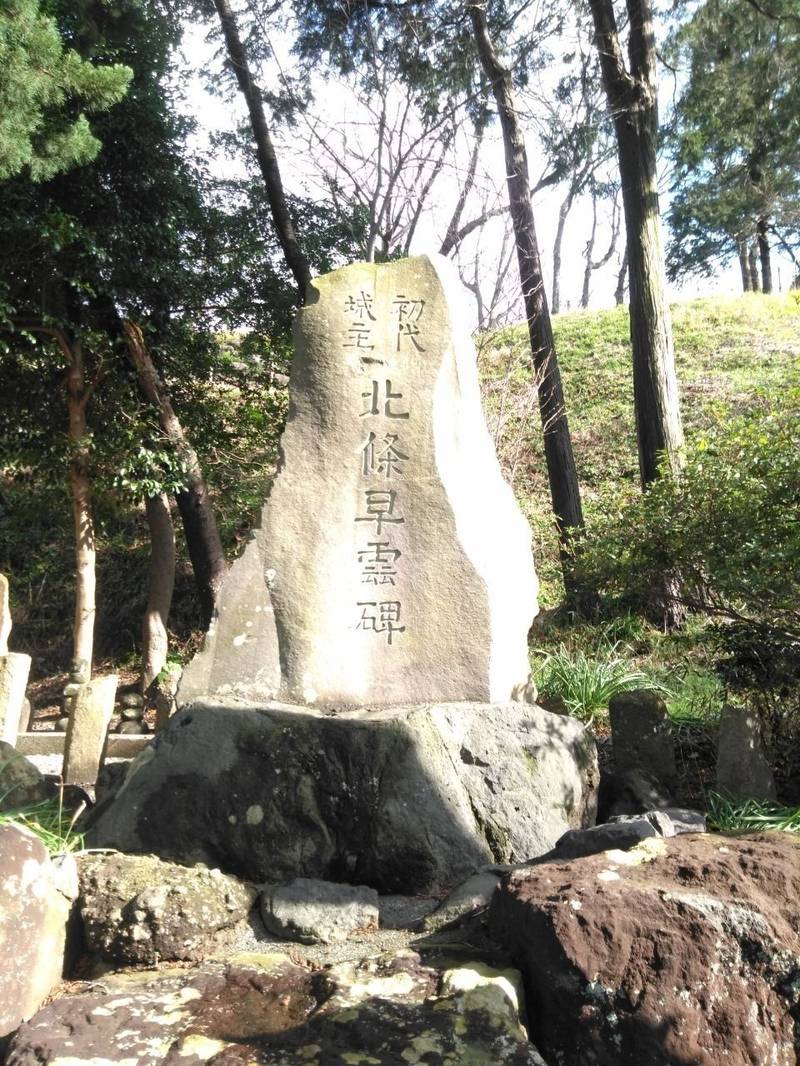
[
  {"x": 697, "y": 698},
  {"x": 586, "y": 684},
  {"x": 48, "y": 820},
  {"x": 730, "y": 815}
]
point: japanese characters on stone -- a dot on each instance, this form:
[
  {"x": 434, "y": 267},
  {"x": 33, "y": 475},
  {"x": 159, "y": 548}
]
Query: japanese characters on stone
[{"x": 384, "y": 454}]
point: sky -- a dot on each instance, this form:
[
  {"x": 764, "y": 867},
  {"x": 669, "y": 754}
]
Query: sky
[{"x": 335, "y": 107}]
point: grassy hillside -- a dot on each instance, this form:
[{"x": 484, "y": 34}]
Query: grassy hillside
[{"x": 732, "y": 353}]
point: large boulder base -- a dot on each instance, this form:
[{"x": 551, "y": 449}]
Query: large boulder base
[
  {"x": 137, "y": 909},
  {"x": 680, "y": 951},
  {"x": 36, "y": 899},
  {"x": 404, "y": 800},
  {"x": 264, "y": 1009},
  {"x": 388, "y": 520}
]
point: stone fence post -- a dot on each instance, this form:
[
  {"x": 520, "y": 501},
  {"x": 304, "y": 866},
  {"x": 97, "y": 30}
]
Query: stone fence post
[{"x": 87, "y": 730}]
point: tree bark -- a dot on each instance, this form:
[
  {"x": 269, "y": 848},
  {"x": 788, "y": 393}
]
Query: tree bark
[
  {"x": 589, "y": 252},
  {"x": 160, "y": 585},
  {"x": 83, "y": 520},
  {"x": 563, "y": 211},
  {"x": 745, "y": 269},
  {"x": 752, "y": 265},
  {"x": 265, "y": 150},
  {"x": 561, "y": 470},
  {"x": 202, "y": 536},
  {"x": 622, "y": 277},
  {"x": 764, "y": 254},
  {"x": 633, "y": 104}
]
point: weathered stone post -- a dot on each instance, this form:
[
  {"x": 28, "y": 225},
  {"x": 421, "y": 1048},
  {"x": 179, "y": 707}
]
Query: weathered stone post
[
  {"x": 14, "y": 670},
  {"x": 87, "y": 730}
]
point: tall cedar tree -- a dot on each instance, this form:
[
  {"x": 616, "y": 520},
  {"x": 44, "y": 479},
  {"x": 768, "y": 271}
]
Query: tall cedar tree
[
  {"x": 633, "y": 103},
  {"x": 561, "y": 470}
]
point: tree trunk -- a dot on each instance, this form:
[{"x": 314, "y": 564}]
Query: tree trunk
[
  {"x": 265, "y": 150},
  {"x": 752, "y": 265},
  {"x": 563, "y": 211},
  {"x": 633, "y": 105},
  {"x": 622, "y": 277},
  {"x": 161, "y": 582},
  {"x": 561, "y": 470},
  {"x": 589, "y": 250},
  {"x": 202, "y": 536},
  {"x": 764, "y": 255},
  {"x": 745, "y": 269},
  {"x": 85, "y": 548}
]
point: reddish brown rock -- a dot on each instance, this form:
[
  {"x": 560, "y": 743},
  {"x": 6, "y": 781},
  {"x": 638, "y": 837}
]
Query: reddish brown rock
[{"x": 683, "y": 951}]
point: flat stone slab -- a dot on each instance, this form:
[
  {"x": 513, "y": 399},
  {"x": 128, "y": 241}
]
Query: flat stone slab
[
  {"x": 313, "y": 911},
  {"x": 409, "y": 800},
  {"x": 265, "y": 1009},
  {"x": 389, "y": 520}
]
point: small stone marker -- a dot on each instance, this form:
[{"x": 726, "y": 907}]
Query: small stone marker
[
  {"x": 87, "y": 729},
  {"x": 398, "y": 563},
  {"x": 642, "y": 736},
  {"x": 14, "y": 669},
  {"x": 742, "y": 768}
]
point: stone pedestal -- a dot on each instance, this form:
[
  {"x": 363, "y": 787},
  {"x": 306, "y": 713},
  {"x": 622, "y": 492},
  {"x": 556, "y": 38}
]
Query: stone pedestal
[
  {"x": 87, "y": 730},
  {"x": 14, "y": 670},
  {"x": 408, "y": 799}
]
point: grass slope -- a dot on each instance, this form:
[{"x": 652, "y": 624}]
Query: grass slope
[{"x": 731, "y": 352}]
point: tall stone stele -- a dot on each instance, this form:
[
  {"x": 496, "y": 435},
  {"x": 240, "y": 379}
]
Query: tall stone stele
[{"x": 392, "y": 564}]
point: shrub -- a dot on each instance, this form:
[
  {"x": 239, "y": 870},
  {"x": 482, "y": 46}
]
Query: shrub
[{"x": 728, "y": 526}]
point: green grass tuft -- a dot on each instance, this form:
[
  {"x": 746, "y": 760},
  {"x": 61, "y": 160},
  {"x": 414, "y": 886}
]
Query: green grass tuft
[
  {"x": 587, "y": 683},
  {"x": 48, "y": 820},
  {"x": 729, "y": 815}
]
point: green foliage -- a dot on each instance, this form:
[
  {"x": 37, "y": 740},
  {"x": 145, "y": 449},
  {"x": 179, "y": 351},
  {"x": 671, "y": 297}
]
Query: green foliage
[
  {"x": 728, "y": 525},
  {"x": 727, "y": 815},
  {"x": 53, "y": 825},
  {"x": 586, "y": 683},
  {"x": 43, "y": 86},
  {"x": 735, "y": 132}
]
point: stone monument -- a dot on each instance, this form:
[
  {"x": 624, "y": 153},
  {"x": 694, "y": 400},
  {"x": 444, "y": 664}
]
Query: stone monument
[
  {"x": 357, "y": 712},
  {"x": 392, "y": 563}
]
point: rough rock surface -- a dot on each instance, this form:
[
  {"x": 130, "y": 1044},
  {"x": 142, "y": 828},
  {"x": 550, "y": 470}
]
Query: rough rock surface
[
  {"x": 36, "y": 898},
  {"x": 471, "y": 897},
  {"x": 262, "y": 1009},
  {"x": 21, "y": 783},
  {"x": 743, "y": 771},
  {"x": 680, "y": 952},
  {"x": 388, "y": 517},
  {"x": 137, "y": 909},
  {"x": 313, "y": 911},
  {"x": 409, "y": 800}
]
